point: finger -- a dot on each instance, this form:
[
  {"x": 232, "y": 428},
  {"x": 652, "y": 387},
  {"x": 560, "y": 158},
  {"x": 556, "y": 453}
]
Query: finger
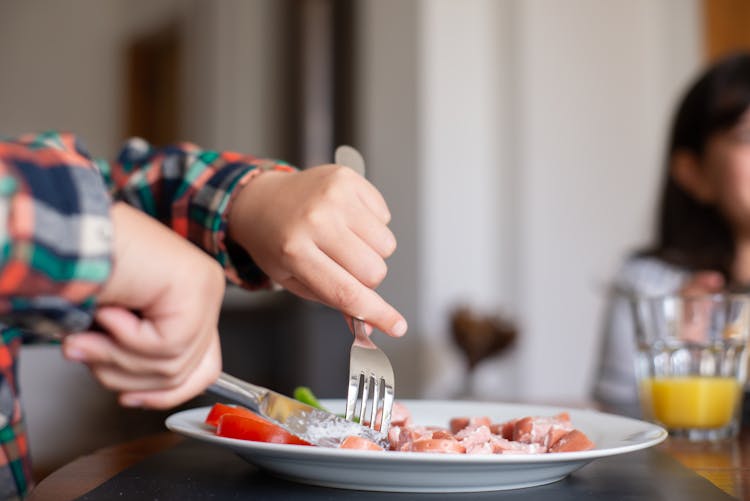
[
  {"x": 372, "y": 231},
  {"x": 704, "y": 282},
  {"x": 117, "y": 379},
  {"x": 142, "y": 336},
  {"x": 338, "y": 289},
  {"x": 373, "y": 200},
  {"x": 354, "y": 255},
  {"x": 711, "y": 281},
  {"x": 205, "y": 374},
  {"x": 85, "y": 346},
  {"x": 139, "y": 374},
  {"x": 296, "y": 287},
  {"x": 368, "y": 327},
  {"x": 98, "y": 350},
  {"x": 130, "y": 331},
  {"x": 102, "y": 351}
]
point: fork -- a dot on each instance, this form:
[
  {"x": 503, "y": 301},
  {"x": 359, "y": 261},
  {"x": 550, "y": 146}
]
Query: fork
[
  {"x": 370, "y": 381},
  {"x": 371, "y": 378}
]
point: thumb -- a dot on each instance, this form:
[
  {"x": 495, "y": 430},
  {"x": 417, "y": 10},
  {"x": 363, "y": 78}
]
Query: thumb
[{"x": 129, "y": 330}]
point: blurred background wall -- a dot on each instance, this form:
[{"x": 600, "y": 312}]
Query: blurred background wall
[{"x": 518, "y": 143}]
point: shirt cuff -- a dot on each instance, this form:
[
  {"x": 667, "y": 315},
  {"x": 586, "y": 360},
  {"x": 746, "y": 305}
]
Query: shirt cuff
[{"x": 210, "y": 209}]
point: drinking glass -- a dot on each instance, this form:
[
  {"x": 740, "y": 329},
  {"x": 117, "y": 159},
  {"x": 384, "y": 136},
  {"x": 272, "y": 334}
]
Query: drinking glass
[{"x": 691, "y": 362}]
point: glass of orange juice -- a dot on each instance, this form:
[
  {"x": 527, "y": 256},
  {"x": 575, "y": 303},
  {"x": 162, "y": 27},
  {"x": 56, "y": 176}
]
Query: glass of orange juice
[{"x": 691, "y": 362}]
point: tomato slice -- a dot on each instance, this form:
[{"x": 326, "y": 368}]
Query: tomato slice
[
  {"x": 219, "y": 410},
  {"x": 256, "y": 429}
]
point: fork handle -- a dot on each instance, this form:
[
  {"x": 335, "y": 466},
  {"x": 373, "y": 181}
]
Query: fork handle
[
  {"x": 360, "y": 334},
  {"x": 238, "y": 390}
]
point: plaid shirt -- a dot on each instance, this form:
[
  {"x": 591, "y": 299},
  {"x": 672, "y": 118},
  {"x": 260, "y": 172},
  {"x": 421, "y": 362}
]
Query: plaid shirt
[{"x": 56, "y": 238}]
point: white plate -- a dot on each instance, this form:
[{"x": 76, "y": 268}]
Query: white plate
[{"x": 425, "y": 472}]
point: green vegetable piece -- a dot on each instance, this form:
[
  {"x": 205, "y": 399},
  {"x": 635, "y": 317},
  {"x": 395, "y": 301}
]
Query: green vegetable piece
[{"x": 306, "y": 396}]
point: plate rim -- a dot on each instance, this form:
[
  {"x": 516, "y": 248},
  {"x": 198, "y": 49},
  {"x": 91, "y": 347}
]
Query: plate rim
[{"x": 654, "y": 434}]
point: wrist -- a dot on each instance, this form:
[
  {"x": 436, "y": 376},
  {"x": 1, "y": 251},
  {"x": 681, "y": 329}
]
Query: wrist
[
  {"x": 118, "y": 214},
  {"x": 247, "y": 205}
]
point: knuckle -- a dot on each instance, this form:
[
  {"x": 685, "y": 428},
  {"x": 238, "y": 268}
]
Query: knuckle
[
  {"x": 345, "y": 296},
  {"x": 337, "y": 178},
  {"x": 173, "y": 346},
  {"x": 171, "y": 369},
  {"x": 106, "y": 380},
  {"x": 177, "y": 380},
  {"x": 213, "y": 281},
  {"x": 390, "y": 247},
  {"x": 377, "y": 274},
  {"x": 290, "y": 249},
  {"x": 335, "y": 171},
  {"x": 315, "y": 216}
]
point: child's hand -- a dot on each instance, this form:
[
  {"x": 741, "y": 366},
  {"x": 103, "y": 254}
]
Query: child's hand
[
  {"x": 703, "y": 282},
  {"x": 322, "y": 234},
  {"x": 169, "y": 352},
  {"x": 697, "y": 313}
]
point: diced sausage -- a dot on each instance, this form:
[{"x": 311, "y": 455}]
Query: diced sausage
[
  {"x": 505, "y": 429},
  {"x": 443, "y": 434},
  {"x": 361, "y": 443},
  {"x": 459, "y": 423},
  {"x": 574, "y": 440},
  {"x": 504, "y": 446},
  {"x": 409, "y": 434},
  {"x": 438, "y": 445},
  {"x": 541, "y": 430},
  {"x": 400, "y": 415}
]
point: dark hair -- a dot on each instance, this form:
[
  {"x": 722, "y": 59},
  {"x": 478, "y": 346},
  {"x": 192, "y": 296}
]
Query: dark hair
[{"x": 691, "y": 234}]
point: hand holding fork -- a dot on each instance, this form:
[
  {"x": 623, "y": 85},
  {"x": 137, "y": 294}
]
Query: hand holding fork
[{"x": 370, "y": 372}]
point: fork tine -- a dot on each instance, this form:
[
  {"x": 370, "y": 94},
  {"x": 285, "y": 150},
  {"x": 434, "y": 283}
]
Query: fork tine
[
  {"x": 352, "y": 394},
  {"x": 375, "y": 400},
  {"x": 365, "y": 393},
  {"x": 385, "y": 421}
]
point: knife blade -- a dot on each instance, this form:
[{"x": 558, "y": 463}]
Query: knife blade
[{"x": 313, "y": 425}]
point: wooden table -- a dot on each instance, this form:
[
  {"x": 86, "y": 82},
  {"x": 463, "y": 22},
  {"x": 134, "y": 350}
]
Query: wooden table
[
  {"x": 725, "y": 464},
  {"x": 87, "y": 472}
]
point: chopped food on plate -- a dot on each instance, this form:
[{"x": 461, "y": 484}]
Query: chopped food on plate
[{"x": 464, "y": 435}]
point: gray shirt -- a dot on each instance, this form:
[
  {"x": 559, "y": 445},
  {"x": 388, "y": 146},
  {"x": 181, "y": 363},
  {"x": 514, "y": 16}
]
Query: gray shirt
[{"x": 615, "y": 383}]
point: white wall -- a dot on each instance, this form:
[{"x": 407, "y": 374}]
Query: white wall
[
  {"x": 232, "y": 67},
  {"x": 539, "y": 130},
  {"x": 466, "y": 209},
  {"x": 54, "y": 77},
  {"x": 597, "y": 82},
  {"x": 387, "y": 85}
]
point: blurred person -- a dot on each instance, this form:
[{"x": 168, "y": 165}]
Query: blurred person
[
  {"x": 702, "y": 242},
  {"x": 81, "y": 257}
]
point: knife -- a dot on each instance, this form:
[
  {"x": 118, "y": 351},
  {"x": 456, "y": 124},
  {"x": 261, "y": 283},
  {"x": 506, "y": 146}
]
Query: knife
[{"x": 313, "y": 425}]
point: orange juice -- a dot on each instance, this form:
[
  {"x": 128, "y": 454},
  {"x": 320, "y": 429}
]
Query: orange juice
[{"x": 692, "y": 401}]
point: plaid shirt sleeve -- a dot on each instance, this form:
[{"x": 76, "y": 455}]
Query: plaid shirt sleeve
[
  {"x": 55, "y": 254},
  {"x": 191, "y": 190},
  {"x": 55, "y": 233}
]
